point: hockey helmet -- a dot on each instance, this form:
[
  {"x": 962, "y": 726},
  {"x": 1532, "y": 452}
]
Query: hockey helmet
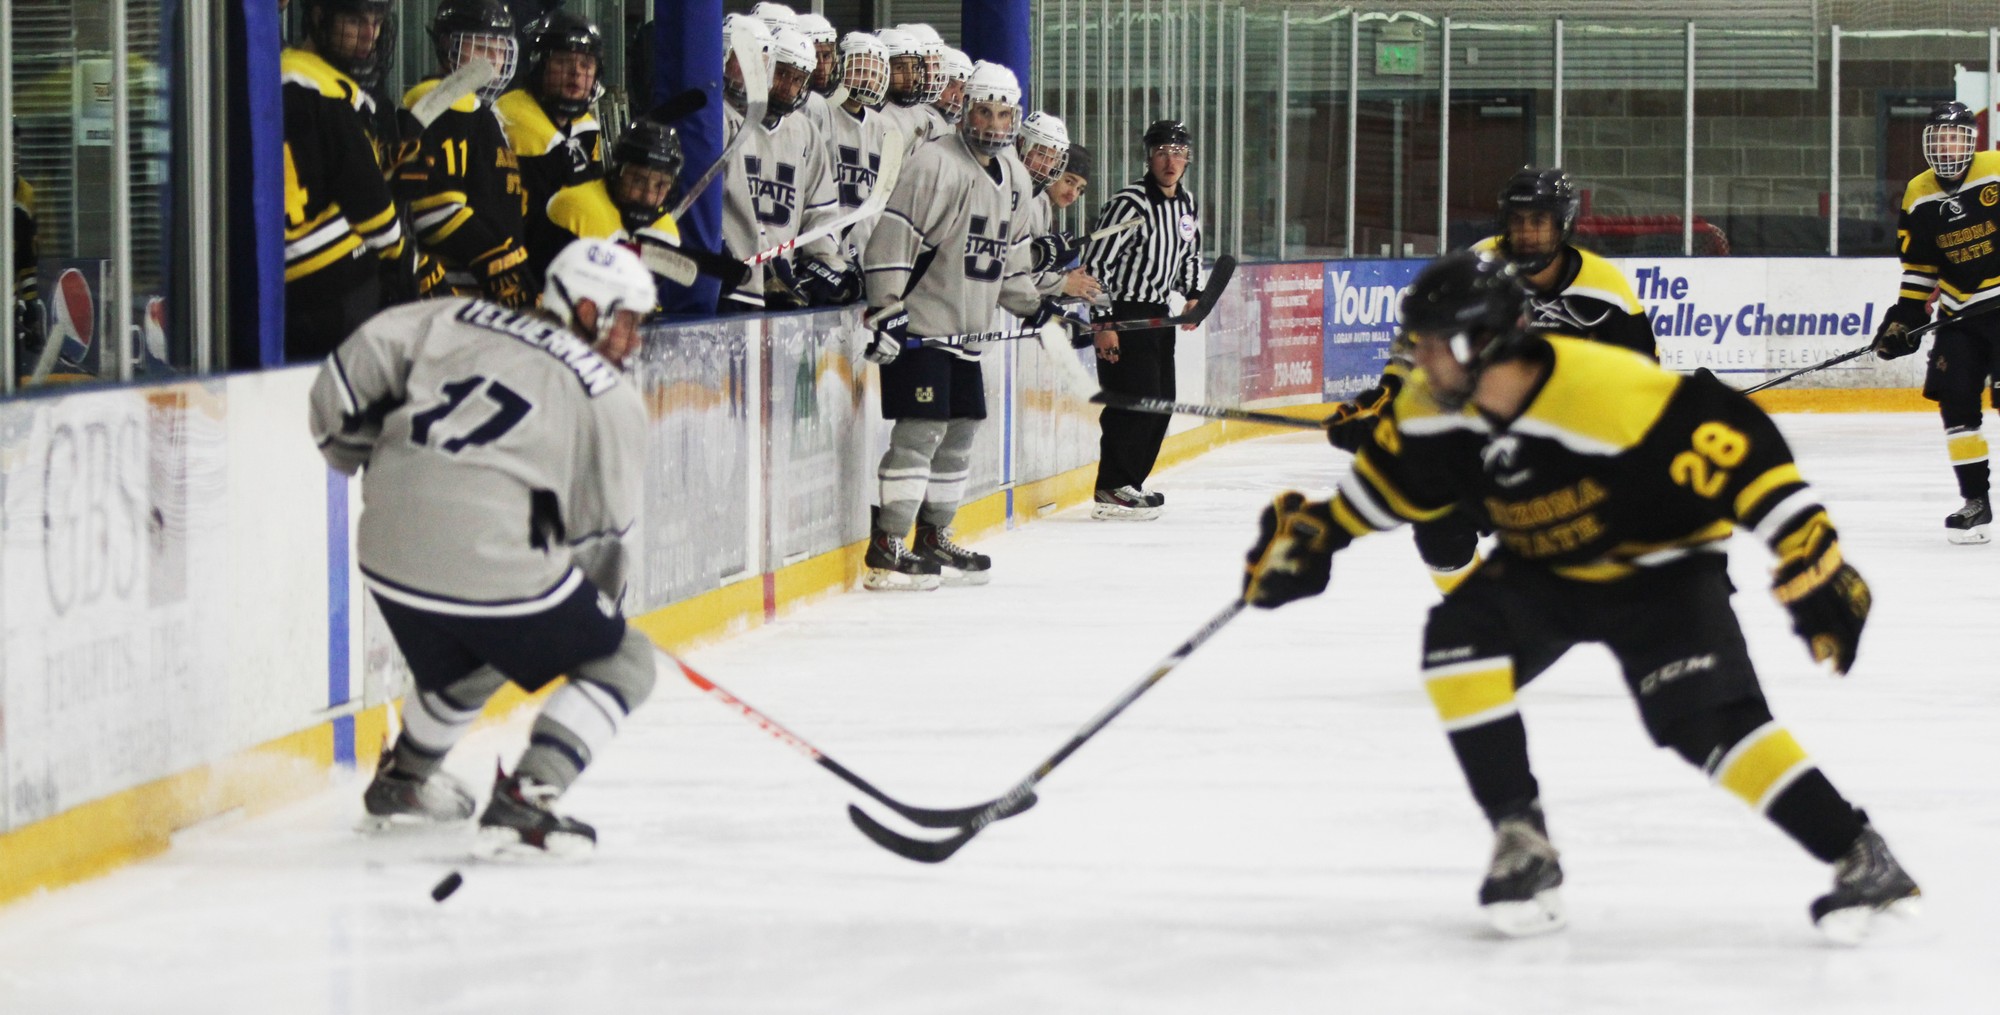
[
  {"x": 1951, "y": 135},
  {"x": 322, "y": 26},
  {"x": 1546, "y": 190},
  {"x": 997, "y": 89},
  {"x": 791, "y": 52},
  {"x": 775, "y": 16},
  {"x": 1044, "y": 146},
  {"x": 463, "y": 29},
  {"x": 560, "y": 31},
  {"x": 1167, "y": 134},
  {"x": 1081, "y": 163},
  {"x": 1476, "y": 302},
  {"x": 826, "y": 46},
  {"x": 930, "y": 45},
  {"x": 864, "y": 68},
  {"x": 735, "y": 26},
  {"x": 957, "y": 67},
  {"x": 604, "y": 272},
  {"x": 643, "y": 145},
  {"x": 904, "y": 47}
]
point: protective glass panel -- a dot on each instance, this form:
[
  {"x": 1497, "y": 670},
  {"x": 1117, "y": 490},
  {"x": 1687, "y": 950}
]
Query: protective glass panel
[
  {"x": 1396, "y": 163},
  {"x": 1316, "y": 139},
  {"x": 1761, "y": 156},
  {"x": 1625, "y": 133},
  {"x": 1502, "y": 117}
]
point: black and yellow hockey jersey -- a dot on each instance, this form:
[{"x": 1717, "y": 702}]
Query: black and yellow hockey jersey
[
  {"x": 1948, "y": 241},
  {"x": 551, "y": 157},
  {"x": 1591, "y": 299},
  {"x": 27, "y": 248},
  {"x": 1614, "y": 466},
  {"x": 586, "y": 211},
  {"x": 466, "y": 199},
  {"x": 338, "y": 208}
]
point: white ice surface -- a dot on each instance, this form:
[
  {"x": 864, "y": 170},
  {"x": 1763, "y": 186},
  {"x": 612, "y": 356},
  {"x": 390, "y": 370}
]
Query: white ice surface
[{"x": 1277, "y": 827}]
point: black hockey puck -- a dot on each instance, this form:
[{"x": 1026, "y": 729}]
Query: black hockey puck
[{"x": 443, "y": 889}]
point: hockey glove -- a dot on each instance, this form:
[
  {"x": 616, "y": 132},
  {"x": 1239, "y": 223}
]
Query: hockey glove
[
  {"x": 1293, "y": 557},
  {"x": 1354, "y": 419},
  {"x": 1893, "y": 340},
  {"x": 891, "y": 331},
  {"x": 824, "y": 286},
  {"x": 1828, "y": 601},
  {"x": 503, "y": 274},
  {"x": 781, "y": 287},
  {"x": 1053, "y": 251}
]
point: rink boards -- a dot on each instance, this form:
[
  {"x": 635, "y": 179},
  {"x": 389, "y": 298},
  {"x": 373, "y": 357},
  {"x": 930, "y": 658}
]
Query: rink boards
[{"x": 185, "y": 634}]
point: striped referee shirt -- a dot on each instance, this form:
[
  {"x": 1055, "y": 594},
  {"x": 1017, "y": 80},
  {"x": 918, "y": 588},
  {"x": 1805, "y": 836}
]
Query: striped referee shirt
[{"x": 1143, "y": 265}]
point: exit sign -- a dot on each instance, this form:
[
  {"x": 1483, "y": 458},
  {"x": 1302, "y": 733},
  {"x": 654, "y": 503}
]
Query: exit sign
[{"x": 1405, "y": 58}]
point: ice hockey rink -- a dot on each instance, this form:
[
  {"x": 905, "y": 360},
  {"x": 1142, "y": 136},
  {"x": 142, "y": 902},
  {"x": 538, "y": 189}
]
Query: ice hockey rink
[{"x": 1277, "y": 827}]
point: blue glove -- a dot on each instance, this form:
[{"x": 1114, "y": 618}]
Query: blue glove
[
  {"x": 781, "y": 288},
  {"x": 890, "y": 332},
  {"x": 823, "y": 286},
  {"x": 1054, "y": 250},
  {"x": 1070, "y": 316}
]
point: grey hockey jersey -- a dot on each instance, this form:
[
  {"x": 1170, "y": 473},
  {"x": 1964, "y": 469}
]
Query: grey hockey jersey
[
  {"x": 953, "y": 242},
  {"x": 854, "y": 148},
  {"x": 503, "y": 456},
  {"x": 1041, "y": 222},
  {"x": 779, "y": 184}
]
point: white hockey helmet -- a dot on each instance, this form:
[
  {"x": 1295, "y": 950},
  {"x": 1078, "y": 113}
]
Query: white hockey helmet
[
  {"x": 951, "y": 100},
  {"x": 606, "y": 273},
  {"x": 1044, "y": 146},
  {"x": 931, "y": 46},
  {"x": 817, "y": 28},
  {"x": 864, "y": 68},
  {"x": 993, "y": 86},
  {"x": 775, "y": 16},
  {"x": 903, "y": 46}
]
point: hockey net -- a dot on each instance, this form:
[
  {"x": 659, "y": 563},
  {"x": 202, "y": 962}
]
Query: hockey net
[{"x": 1649, "y": 234}]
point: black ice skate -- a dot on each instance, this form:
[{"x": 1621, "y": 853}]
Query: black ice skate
[
  {"x": 1968, "y": 524},
  {"x": 519, "y": 823},
  {"x": 892, "y": 567},
  {"x": 394, "y": 798},
  {"x": 1866, "y": 880},
  {"x": 1154, "y": 498},
  {"x": 956, "y": 564},
  {"x": 1125, "y": 504},
  {"x": 1519, "y": 894}
]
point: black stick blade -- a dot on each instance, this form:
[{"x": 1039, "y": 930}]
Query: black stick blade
[
  {"x": 681, "y": 106},
  {"x": 920, "y": 850},
  {"x": 1218, "y": 281}
]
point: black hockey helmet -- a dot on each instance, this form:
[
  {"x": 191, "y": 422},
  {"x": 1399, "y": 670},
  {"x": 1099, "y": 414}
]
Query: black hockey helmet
[
  {"x": 1167, "y": 132},
  {"x": 457, "y": 19},
  {"x": 559, "y": 31},
  {"x": 1477, "y": 301},
  {"x": 366, "y": 71},
  {"x": 1951, "y": 135},
  {"x": 1081, "y": 162},
  {"x": 1531, "y": 189},
  {"x": 652, "y": 145}
]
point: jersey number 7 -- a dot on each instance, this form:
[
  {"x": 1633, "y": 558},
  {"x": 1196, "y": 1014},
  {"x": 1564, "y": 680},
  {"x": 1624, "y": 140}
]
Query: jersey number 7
[{"x": 512, "y": 410}]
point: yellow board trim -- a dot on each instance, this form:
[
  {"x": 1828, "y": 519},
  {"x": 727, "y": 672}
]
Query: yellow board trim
[{"x": 1754, "y": 770}]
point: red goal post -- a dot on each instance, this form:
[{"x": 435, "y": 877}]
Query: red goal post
[{"x": 1648, "y": 234}]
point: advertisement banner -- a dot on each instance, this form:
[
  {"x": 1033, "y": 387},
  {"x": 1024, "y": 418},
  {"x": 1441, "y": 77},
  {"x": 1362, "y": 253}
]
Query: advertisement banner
[
  {"x": 1284, "y": 306},
  {"x": 1363, "y": 304}
]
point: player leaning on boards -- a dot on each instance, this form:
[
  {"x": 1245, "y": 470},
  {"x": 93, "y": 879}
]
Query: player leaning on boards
[
  {"x": 503, "y": 452},
  {"x": 1571, "y": 291},
  {"x": 1614, "y": 486},
  {"x": 1951, "y": 213},
  {"x": 858, "y": 132},
  {"x": 952, "y": 247},
  {"x": 556, "y": 140}
]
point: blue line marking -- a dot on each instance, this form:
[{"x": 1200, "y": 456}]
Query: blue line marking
[{"x": 337, "y": 630}]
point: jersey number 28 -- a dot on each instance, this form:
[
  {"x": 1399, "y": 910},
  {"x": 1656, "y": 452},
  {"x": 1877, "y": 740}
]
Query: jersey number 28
[
  {"x": 511, "y": 410},
  {"x": 1705, "y": 469}
]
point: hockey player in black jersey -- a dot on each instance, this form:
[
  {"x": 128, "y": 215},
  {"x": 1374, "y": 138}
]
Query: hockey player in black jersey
[
  {"x": 548, "y": 121},
  {"x": 1613, "y": 485},
  {"x": 463, "y": 184},
  {"x": 1570, "y": 289},
  {"x": 1951, "y": 213},
  {"x": 342, "y": 233}
]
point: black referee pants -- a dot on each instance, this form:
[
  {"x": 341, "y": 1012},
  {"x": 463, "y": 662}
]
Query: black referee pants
[{"x": 1130, "y": 441}]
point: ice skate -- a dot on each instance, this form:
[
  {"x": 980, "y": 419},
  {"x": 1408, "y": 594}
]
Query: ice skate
[
  {"x": 956, "y": 564},
  {"x": 892, "y": 567},
  {"x": 1520, "y": 894},
  {"x": 520, "y": 824},
  {"x": 1154, "y": 498},
  {"x": 1968, "y": 524},
  {"x": 1866, "y": 880},
  {"x": 1125, "y": 504},
  {"x": 394, "y": 798}
]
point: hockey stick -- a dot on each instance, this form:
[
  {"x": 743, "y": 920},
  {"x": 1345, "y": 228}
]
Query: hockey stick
[
  {"x": 757, "y": 94},
  {"x": 471, "y": 76},
  {"x": 680, "y": 107},
  {"x": 682, "y": 264},
  {"x": 1136, "y": 403},
  {"x": 1115, "y": 228},
  {"x": 1915, "y": 334},
  {"x": 886, "y": 175},
  {"x": 1023, "y": 793},
  {"x": 1194, "y": 313},
  {"x": 927, "y": 817}
]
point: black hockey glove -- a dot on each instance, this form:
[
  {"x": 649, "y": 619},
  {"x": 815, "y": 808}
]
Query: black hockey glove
[
  {"x": 1054, "y": 250},
  {"x": 781, "y": 287},
  {"x": 823, "y": 286},
  {"x": 890, "y": 332},
  {"x": 1065, "y": 313},
  {"x": 1893, "y": 340},
  {"x": 503, "y": 275},
  {"x": 1828, "y": 601},
  {"x": 1293, "y": 557},
  {"x": 1353, "y": 420}
]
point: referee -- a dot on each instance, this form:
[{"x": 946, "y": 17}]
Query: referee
[{"x": 1138, "y": 268}]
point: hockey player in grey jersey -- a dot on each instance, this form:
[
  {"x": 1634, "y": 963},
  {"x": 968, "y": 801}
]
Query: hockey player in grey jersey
[
  {"x": 951, "y": 245},
  {"x": 859, "y": 131},
  {"x": 906, "y": 85},
  {"x": 825, "y": 84},
  {"x": 779, "y": 184},
  {"x": 1044, "y": 153},
  {"x": 503, "y": 451}
]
